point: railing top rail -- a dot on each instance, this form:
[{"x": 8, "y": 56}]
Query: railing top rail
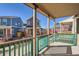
[
  {"x": 66, "y": 33},
  {"x": 42, "y": 35},
  {"x": 15, "y": 41}
]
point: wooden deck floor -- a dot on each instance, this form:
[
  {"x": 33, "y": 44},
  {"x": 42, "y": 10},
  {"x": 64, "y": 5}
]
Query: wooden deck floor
[
  {"x": 62, "y": 49},
  {"x": 58, "y": 50}
]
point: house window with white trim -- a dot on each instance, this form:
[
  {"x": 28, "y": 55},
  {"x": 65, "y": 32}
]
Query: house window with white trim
[
  {"x": 0, "y": 21},
  {"x": 4, "y": 21}
]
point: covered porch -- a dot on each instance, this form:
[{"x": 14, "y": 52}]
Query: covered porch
[{"x": 46, "y": 45}]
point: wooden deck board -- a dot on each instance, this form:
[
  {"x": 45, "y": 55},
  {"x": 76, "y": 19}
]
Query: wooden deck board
[
  {"x": 56, "y": 50},
  {"x": 62, "y": 51}
]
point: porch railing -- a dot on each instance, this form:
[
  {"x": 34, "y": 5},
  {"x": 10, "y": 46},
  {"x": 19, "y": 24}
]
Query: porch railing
[
  {"x": 41, "y": 43},
  {"x": 24, "y": 46},
  {"x": 66, "y": 38},
  {"x": 20, "y": 47}
]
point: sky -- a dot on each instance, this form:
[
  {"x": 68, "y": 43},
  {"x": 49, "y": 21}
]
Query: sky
[{"x": 24, "y": 12}]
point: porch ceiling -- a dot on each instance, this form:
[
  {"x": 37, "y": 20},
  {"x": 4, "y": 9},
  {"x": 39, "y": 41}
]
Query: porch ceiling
[{"x": 56, "y": 10}]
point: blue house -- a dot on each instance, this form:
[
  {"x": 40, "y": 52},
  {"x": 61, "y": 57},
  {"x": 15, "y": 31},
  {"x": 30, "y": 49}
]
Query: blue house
[
  {"x": 29, "y": 27},
  {"x": 9, "y": 25}
]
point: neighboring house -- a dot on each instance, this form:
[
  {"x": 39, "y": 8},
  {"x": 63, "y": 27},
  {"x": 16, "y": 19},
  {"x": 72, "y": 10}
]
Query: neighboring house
[
  {"x": 67, "y": 25},
  {"x": 71, "y": 26},
  {"x": 43, "y": 31},
  {"x": 57, "y": 30},
  {"x": 9, "y": 25},
  {"x": 29, "y": 27}
]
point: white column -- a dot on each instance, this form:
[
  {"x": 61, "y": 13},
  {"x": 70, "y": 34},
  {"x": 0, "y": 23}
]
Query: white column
[
  {"x": 75, "y": 30},
  {"x": 6, "y": 34},
  {"x": 74, "y": 26},
  {"x": 11, "y": 32},
  {"x": 34, "y": 31}
]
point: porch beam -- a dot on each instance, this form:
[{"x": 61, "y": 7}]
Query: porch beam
[{"x": 34, "y": 31}]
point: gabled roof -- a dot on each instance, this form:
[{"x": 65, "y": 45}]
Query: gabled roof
[{"x": 31, "y": 22}]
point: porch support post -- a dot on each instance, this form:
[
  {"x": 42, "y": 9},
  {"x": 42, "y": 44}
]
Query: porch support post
[
  {"x": 34, "y": 31},
  {"x": 75, "y": 30},
  {"x": 54, "y": 28},
  {"x": 48, "y": 26}
]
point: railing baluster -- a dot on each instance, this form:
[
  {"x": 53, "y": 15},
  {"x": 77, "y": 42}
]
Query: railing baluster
[
  {"x": 47, "y": 41},
  {"x": 19, "y": 49},
  {"x": 26, "y": 47},
  {"x": 22, "y": 48},
  {"x": 3, "y": 50},
  {"x": 37, "y": 46},
  {"x": 31, "y": 47},
  {"x": 9, "y": 50},
  {"x": 14, "y": 49}
]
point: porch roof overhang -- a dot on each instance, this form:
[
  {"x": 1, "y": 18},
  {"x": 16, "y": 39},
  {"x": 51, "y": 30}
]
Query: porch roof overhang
[{"x": 56, "y": 10}]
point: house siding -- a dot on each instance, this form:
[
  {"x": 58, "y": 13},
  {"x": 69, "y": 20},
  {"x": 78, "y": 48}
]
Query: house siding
[{"x": 15, "y": 22}]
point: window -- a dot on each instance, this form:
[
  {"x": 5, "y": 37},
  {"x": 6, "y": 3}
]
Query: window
[
  {"x": 70, "y": 28},
  {"x": 9, "y": 22},
  {"x": 0, "y": 21},
  {"x": 67, "y": 27},
  {"x": 4, "y": 21}
]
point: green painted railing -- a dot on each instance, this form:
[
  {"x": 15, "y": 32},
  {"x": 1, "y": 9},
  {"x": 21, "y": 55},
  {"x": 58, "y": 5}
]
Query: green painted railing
[
  {"x": 20, "y": 47},
  {"x": 51, "y": 39},
  {"x": 24, "y": 46},
  {"x": 41, "y": 43},
  {"x": 66, "y": 38}
]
